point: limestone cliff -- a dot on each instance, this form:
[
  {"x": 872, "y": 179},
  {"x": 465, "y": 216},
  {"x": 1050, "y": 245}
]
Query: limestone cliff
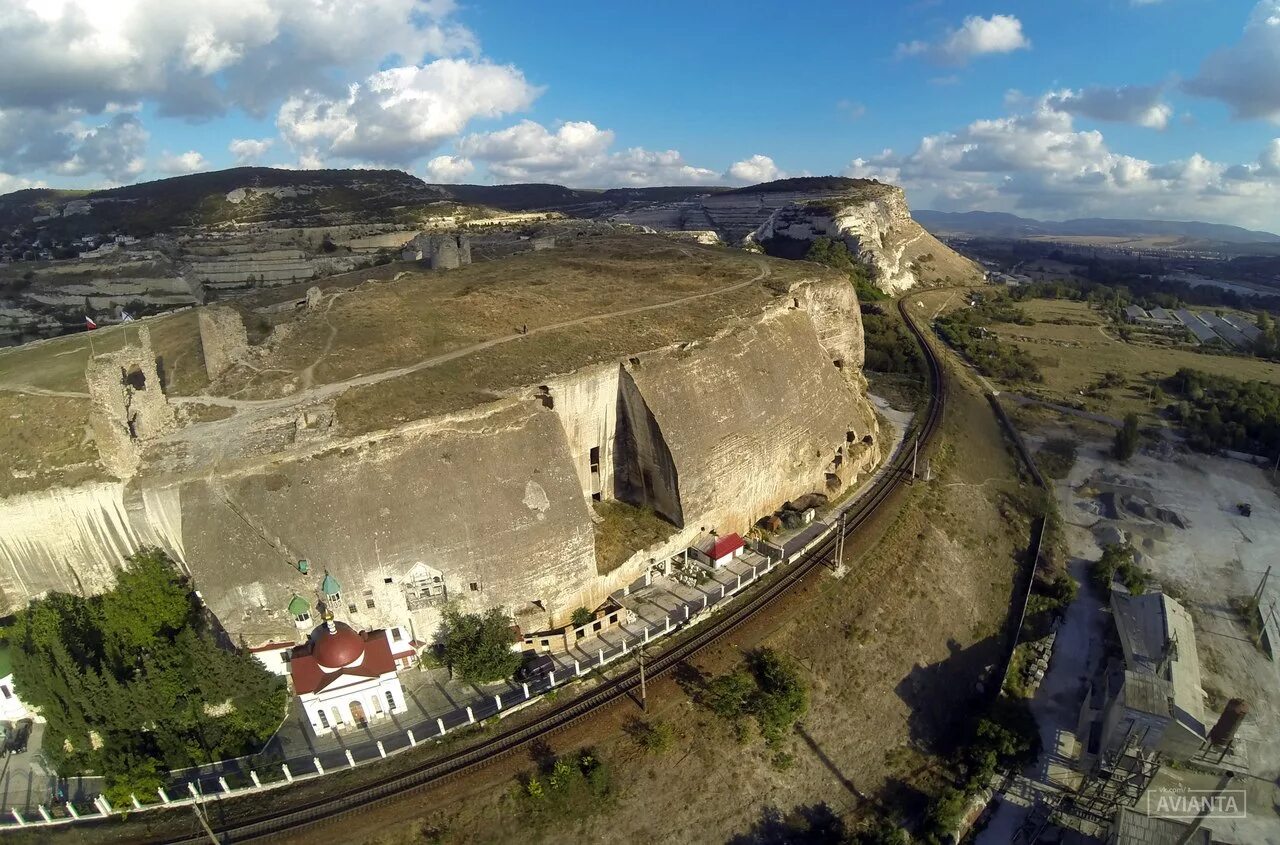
[
  {"x": 712, "y": 408},
  {"x": 876, "y": 224}
]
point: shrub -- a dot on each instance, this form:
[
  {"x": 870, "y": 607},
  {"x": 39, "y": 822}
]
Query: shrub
[
  {"x": 1118, "y": 559},
  {"x": 656, "y": 737},
  {"x": 1126, "y": 442},
  {"x": 581, "y": 617},
  {"x": 770, "y": 689},
  {"x": 478, "y": 647},
  {"x": 1056, "y": 457},
  {"x": 569, "y": 788}
]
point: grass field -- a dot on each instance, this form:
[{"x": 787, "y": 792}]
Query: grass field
[{"x": 1074, "y": 346}]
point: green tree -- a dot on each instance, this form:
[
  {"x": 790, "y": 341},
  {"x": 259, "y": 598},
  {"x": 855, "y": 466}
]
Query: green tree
[
  {"x": 1126, "y": 440},
  {"x": 132, "y": 682},
  {"x": 147, "y": 606},
  {"x": 477, "y": 647},
  {"x": 581, "y": 617}
]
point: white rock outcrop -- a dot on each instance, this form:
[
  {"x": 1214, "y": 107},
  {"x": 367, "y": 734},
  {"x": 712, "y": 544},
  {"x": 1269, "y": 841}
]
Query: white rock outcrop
[{"x": 877, "y": 226}]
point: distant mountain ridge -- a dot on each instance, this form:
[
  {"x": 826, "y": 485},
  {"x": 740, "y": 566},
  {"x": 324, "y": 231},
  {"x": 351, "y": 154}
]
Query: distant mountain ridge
[
  {"x": 1001, "y": 224},
  {"x": 298, "y": 197}
]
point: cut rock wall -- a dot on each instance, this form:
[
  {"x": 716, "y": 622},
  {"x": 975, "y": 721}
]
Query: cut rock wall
[
  {"x": 755, "y": 418},
  {"x": 495, "y": 500}
]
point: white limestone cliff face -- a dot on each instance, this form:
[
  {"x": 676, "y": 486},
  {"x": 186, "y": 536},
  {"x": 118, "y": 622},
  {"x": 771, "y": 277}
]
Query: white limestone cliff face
[{"x": 879, "y": 229}]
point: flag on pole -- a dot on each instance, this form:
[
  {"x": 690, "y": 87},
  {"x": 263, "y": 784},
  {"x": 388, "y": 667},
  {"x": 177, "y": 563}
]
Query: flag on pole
[{"x": 89, "y": 324}]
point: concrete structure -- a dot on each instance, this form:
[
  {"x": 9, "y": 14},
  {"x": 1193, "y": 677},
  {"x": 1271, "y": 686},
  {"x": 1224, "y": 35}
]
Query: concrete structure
[
  {"x": 1133, "y": 828},
  {"x": 1153, "y": 704},
  {"x": 223, "y": 339},
  {"x": 440, "y": 252},
  {"x": 129, "y": 407},
  {"x": 345, "y": 678},
  {"x": 1135, "y": 314}
]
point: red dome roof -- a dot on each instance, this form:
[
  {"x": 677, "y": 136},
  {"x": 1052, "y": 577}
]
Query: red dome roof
[{"x": 342, "y": 647}]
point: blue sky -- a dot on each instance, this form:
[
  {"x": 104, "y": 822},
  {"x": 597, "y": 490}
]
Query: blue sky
[{"x": 1155, "y": 108}]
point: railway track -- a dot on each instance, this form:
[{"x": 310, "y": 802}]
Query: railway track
[{"x": 399, "y": 786}]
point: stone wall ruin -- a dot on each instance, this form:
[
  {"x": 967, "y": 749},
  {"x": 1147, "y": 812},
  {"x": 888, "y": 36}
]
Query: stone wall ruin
[{"x": 128, "y": 406}]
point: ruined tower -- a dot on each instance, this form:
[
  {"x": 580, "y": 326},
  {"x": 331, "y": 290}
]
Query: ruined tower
[
  {"x": 440, "y": 252},
  {"x": 223, "y": 338},
  {"x": 128, "y": 405}
]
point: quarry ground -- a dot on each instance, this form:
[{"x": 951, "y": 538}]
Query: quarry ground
[
  {"x": 1219, "y": 558},
  {"x": 892, "y": 652}
]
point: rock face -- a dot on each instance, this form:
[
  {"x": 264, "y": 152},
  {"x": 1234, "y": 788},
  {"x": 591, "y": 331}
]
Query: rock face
[
  {"x": 869, "y": 216},
  {"x": 489, "y": 506},
  {"x": 877, "y": 226}
]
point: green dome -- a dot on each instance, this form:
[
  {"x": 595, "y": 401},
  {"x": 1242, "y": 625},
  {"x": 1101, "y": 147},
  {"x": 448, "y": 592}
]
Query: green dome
[
  {"x": 330, "y": 586},
  {"x": 298, "y": 605}
]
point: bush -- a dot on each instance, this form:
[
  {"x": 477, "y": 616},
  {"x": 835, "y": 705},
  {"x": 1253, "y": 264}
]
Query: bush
[
  {"x": 477, "y": 648},
  {"x": 965, "y": 329},
  {"x": 1126, "y": 442},
  {"x": 1006, "y": 736},
  {"x": 93, "y": 664},
  {"x": 770, "y": 689},
  {"x": 581, "y": 617},
  {"x": 568, "y": 788},
  {"x": 1118, "y": 559},
  {"x": 656, "y": 737},
  {"x": 1056, "y": 457}
]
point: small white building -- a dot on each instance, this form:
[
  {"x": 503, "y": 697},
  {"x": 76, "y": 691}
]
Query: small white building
[
  {"x": 12, "y": 708},
  {"x": 346, "y": 678},
  {"x": 718, "y": 551}
]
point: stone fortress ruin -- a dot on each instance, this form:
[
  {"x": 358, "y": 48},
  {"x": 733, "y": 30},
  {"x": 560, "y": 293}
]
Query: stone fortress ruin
[{"x": 483, "y": 476}]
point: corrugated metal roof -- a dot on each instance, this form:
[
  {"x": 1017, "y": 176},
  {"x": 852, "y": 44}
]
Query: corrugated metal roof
[{"x": 1133, "y": 828}]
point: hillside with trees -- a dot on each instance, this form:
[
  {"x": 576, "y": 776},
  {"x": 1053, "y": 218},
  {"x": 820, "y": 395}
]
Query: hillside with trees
[{"x": 1225, "y": 413}]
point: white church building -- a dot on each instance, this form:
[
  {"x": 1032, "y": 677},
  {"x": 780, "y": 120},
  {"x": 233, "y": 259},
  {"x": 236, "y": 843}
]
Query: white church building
[{"x": 345, "y": 678}]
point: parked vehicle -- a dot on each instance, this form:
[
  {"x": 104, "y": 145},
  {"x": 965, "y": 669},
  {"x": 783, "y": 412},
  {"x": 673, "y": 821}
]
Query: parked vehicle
[
  {"x": 534, "y": 667},
  {"x": 15, "y": 738}
]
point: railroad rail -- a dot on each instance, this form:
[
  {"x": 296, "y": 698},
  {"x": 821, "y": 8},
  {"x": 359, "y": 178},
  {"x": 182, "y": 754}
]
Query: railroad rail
[{"x": 399, "y": 786}]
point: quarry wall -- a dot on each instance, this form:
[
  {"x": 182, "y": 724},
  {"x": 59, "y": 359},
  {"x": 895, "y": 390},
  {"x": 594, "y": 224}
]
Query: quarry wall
[
  {"x": 494, "y": 501},
  {"x": 73, "y": 539},
  {"x": 754, "y": 418}
]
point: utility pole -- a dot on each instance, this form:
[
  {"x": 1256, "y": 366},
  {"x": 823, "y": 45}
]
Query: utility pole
[
  {"x": 204, "y": 822},
  {"x": 915, "y": 453},
  {"x": 1262, "y": 585},
  {"x": 840, "y": 543},
  {"x": 644, "y": 698}
]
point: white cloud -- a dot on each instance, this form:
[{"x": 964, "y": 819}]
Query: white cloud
[
  {"x": 1138, "y": 104},
  {"x": 202, "y": 56},
  {"x": 449, "y": 169},
  {"x": 1246, "y": 75},
  {"x": 758, "y": 168},
  {"x": 1037, "y": 162},
  {"x": 577, "y": 153},
  {"x": 977, "y": 36},
  {"x": 9, "y": 183},
  {"x": 852, "y": 109},
  {"x": 400, "y": 114},
  {"x": 249, "y": 150},
  {"x": 70, "y": 142},
  {"x": 177, "y": 165}
]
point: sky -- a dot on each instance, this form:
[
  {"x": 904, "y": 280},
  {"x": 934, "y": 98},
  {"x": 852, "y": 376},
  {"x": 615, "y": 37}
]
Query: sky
[{"x": 1164, "y": 109}]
